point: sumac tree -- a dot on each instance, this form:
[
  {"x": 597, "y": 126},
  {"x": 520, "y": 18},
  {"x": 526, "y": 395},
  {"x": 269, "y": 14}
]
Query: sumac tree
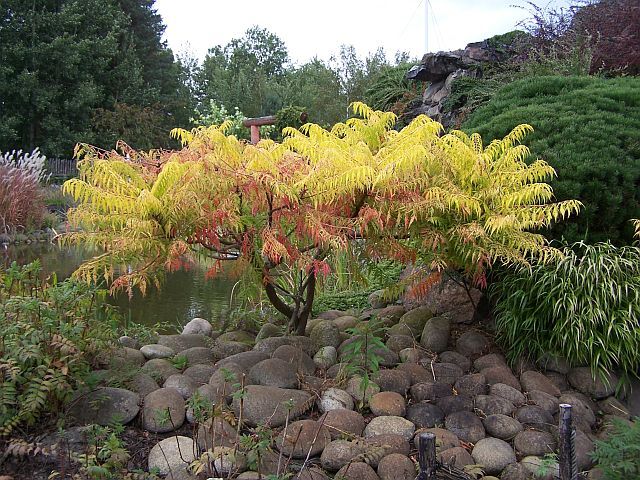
[{"x": 280, "y": 208}]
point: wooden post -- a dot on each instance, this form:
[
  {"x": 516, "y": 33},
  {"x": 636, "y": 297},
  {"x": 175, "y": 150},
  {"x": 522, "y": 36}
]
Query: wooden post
[
  {"x": 427, "y": 456},
  {"x": 567, "y": 433},
  {"x": 255, "y": 123}
]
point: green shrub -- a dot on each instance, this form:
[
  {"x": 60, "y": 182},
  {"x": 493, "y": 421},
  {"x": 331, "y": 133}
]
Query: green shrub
[
  {"x": 618, "y": 456},
  {"x": 50, "y": 334},
  {"x": 291, "y": 116},
  {"x": 587, "y": 128},
  {"x": 585, "y": 308},
  {"x": 390, "y": 90}
]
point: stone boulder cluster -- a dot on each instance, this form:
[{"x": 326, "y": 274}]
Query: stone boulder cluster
[
  {"x": 436, "y": 376},
  {"x": 442, "y": 69}
]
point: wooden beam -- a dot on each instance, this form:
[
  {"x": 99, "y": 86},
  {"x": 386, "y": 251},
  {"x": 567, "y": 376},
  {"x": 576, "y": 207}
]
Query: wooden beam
[
  {"x": 259, "y": 121},
  {"x": 255, "y": 123}
]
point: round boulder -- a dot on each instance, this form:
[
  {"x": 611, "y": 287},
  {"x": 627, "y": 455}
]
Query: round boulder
[
  {"x": 273, "y": 372},
  {"x": 105, "y": 405},
  {"x": 454, "y": 357},
  {"x": 505, "y": 391},
  {"x": 361, "y": 392},
  {"x": 532, "y": 380},
  {"x": 326, "y": 357},
  {"x": 416, "y": 319},
  {"x": 216, "y": 432},
  {"x": 435, "y": 334},
  {"x": 195, "y": 355},
  {"x": 472, "y": 384},
  {"x": 445, "y": 372},
  {"x": 183, "y": 384},
  {"x": 472, "y": 343},
  {"x": 388, "y": 403},
  {"x": 343, "y": 422},
  {"x": 491, "y": 405},
  {"x": 393, "y": 381},
  {"x": 197, "y": 326},
  {"x": 457, "y": 456},
  {"x": 268, "y": 330},
  {"x": 502, "y": 426},
  {"x": 466, "y": 426},
  {"x": 142, "y": 384},
  {"x": 325, "y": 333},
  {"x": 454, "y": 403},
  {"x": 583, "y": 380},
  {"x": 357, "y": 471},
  {"x": 535, "y": 417},
  {"x": 425, "y": 414},
  {"x": 547, "y": 402},
  {"x": 444, "y": 438},
  {"x": 334, "y": 398},
  {"x": 157, "y": 351},
  {"x": 302, "y": 437},
  {"x": 261, "y": 402},
  {"x": 338, "y": 453},
  {"x": 159, "y": 369},
  {"x": 390, "y": 425},
  {"x": 493, "y": 454},
  {"x": 430, "y": 391},
  {"x": 302, "y": 362},
  {"x": 163, "y": 411},
  {"x": 531, "y": 442},
  {"x": 200, "y": 373},
  {"x": 489, "y": 361},
  {"x": 501, "y": 375},
  {"x": 396, "y": 467},
  {"x": 171, "y": 454}
]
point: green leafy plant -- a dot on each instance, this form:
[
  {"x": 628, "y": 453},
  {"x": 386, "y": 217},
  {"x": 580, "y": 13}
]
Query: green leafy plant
[
  {"x": 549, "y": 462},
  {"x": 389, "y": 89},
  {"x": 585, "y": 308},
  {"x": 107, "y": 453},
  {"x": 618, "y": 456},
  {"x": 362, "y": 354},
  {"x": 256, "y": 444},
  {"x": 202, "y": 408},
  {"x": 291, "y": 116},
  {"x": 50, "y": 336},
  {"x": 180, "y": 362}
]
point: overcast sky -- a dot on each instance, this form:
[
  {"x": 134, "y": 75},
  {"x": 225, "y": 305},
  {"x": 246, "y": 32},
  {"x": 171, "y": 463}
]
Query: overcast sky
[{"x": 318, "y": 28}]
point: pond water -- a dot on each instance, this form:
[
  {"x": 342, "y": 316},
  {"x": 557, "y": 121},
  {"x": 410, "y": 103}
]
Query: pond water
[{"x": 184, "y": 294}]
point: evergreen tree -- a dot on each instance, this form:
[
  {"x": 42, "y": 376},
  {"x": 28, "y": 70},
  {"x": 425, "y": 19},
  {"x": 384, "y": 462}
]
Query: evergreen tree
[{"x": 86, "y": 71}]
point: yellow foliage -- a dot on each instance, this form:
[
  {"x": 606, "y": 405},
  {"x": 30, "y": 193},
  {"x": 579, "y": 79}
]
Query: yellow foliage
[{"x": 414, "y": 193}]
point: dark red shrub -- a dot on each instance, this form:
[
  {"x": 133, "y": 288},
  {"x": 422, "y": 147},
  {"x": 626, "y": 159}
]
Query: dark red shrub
[{"x": 614, "y": 26}]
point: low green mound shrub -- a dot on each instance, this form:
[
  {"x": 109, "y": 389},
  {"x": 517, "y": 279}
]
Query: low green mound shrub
[
  {"x": 50, "y": 335},
  {"x": 588, "y": 129},
  {"x": 585, "y": 308},
  {"x": 618, "y": 456}
]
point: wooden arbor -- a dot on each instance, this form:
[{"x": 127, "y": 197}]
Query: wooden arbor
[{"x": 255, "y": 123}]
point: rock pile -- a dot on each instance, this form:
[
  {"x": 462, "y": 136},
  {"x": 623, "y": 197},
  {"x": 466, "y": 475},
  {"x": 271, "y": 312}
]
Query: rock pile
[
  {"x": 441, "y": 69},
  {"x": 435, "y": 379}
]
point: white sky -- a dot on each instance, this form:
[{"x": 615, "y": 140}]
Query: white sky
[{"x": 319, "y": 28}]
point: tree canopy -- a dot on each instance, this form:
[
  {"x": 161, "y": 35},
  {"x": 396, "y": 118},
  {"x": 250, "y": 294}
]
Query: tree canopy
[
  {"x": 279, "y": 209},
  {"x": 88, "y": 70}
]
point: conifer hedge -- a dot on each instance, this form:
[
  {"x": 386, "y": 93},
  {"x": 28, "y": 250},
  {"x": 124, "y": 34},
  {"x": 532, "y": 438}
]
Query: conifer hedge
[{"x": 588, "y": 129}]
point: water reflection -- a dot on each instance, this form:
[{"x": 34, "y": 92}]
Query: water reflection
[{"x": 184, "y": 294}]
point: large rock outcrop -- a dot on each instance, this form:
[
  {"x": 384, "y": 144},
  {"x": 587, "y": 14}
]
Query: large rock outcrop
[{"x": 441, "y": 69}]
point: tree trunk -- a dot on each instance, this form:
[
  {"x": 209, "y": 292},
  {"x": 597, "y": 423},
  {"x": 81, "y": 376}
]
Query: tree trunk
[{"x": 299, "y": 313}]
